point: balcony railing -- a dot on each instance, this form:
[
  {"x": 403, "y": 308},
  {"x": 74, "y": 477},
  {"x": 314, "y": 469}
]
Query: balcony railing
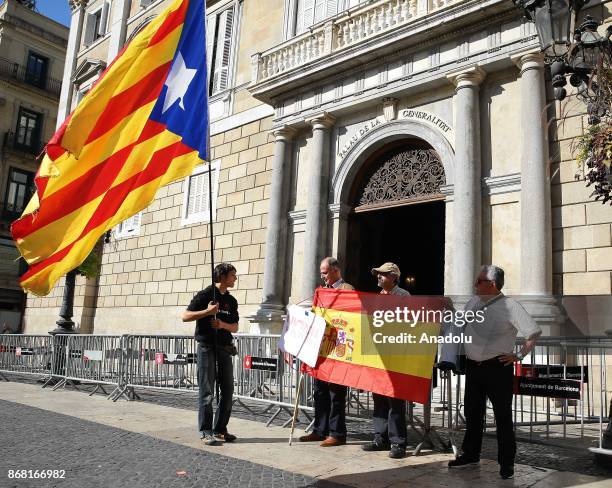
[
  {"x": 345, "y": 30},
  {"x": 14, "y": 71}
]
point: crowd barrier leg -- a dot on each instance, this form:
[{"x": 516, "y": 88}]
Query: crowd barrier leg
[{"x": 4, "y": 378}]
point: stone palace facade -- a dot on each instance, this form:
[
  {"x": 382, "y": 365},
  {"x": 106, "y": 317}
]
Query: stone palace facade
[{"x": 416, "y": 131}]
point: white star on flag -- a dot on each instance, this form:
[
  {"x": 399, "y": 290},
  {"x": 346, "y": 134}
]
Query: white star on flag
[{"x": 178, "y": 81}]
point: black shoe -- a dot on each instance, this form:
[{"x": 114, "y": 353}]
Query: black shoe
[
  {"x": 397, "y": 451},
  {"x": 376, "y": 445},
  {"x": 463, "y": 462},
  {"x": 507, "y": 472},
  {"x": 227, "y": 437}
]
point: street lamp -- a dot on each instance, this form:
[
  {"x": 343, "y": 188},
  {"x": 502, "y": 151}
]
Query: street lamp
[{"x": 571, "y": 50}]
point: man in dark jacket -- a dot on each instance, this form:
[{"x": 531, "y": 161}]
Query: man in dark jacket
[{"x": 329, "y": 398}]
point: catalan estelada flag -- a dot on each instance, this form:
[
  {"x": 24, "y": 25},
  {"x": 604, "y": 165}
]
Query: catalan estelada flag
[
  {"x": 351, "y": 353},
  {"x": 143, "y": 125}
]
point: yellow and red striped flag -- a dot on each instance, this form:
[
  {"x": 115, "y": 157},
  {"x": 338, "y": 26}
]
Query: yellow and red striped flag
[
  {"x": 142, "y": 125},
  {"x": 355, "y": 353}
]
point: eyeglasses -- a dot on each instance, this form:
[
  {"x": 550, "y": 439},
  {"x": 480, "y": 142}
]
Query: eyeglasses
[{"x": 480, "y": 280}]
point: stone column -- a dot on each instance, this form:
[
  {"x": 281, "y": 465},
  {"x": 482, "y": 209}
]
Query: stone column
[
  {"x": 118, "y": 28},
  {"x": 536, "y": 227},
  {"x": 315, "y": 237},
  {"x": 466, "y": 245},
  {"x": 269, "y": 314},
  {"x": 74, "y": 42}
]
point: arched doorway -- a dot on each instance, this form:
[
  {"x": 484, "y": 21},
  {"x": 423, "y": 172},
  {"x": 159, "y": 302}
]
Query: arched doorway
[{"x": 398, "y": 215}]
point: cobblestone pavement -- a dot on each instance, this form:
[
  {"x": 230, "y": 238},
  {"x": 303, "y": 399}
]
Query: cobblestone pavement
[
  {"x": 94, "y": 455},
  {"x": 132, "y": 454},
  {"x": 533, "y": 454}
]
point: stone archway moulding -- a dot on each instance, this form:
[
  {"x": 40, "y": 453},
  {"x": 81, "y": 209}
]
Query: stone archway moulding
[{"x": 376, "y": 138}]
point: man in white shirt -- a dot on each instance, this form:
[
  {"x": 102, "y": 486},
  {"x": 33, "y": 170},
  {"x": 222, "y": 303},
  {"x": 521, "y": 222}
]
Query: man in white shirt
[
  {"x": 489, "y": 367},
  {"x": 389, "y": 413}
]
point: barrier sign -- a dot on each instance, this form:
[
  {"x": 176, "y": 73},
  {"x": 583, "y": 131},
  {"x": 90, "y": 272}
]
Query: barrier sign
[
  {"x": 547, "y": 387},
  {"x": 554, "y": 372},
  {"x": 163, "y": 358},
  {"x": 24, "y": 351},
  {"x": 92, "y": 355},
  {"x": 265, "y": 364}
]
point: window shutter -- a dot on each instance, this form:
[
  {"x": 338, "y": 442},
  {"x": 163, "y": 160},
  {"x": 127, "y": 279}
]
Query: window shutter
[
  {"x": 333, "y": 7},
  {"x": 90, "y": 33},
  {"x": 104, "y": 19},
  {"x": 319, "y": 11},
  {"x": 305, "y": 15},
  {"x": 197, "y": 201},
  {"x": 211, "y": 22},
  {"x": 223, "y": 50},
  {"x": 129, "y": 226}
]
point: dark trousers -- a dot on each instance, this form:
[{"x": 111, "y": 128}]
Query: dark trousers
[
  {"x": 389, "y": 420},
  {"x": 206, "y": 389},
  {"x": 330, "y": 406},
  {"x": 493, "y": 380}
]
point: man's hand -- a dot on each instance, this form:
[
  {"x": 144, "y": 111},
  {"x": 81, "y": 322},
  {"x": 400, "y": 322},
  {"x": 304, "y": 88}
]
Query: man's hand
[
  {"x": 216, "y": 324},
  {"x": 212, "y": 309},
  {"x": 508, "y": 359}
]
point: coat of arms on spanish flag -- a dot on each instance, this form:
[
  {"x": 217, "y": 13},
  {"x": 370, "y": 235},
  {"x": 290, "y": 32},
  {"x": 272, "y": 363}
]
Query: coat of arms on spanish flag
[
  {"x": 143, "y": 125},
  {"x": 352, "y": 353}
]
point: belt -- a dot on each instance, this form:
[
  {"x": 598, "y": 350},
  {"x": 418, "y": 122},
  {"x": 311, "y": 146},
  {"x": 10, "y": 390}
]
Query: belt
[{"x": 486, "y": 362}]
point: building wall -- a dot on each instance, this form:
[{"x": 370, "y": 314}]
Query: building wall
[
  {"x": 147, "y": 280},
  {"x": 23, "y": 31}
]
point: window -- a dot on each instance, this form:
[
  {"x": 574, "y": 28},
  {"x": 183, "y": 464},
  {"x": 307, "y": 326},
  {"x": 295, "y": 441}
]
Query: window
[
  {"x": 20, "y": 188},
  {"x": 36, "y": 70},
  {"x": 146, "y": 3},
  {"x": 196, "y": 198},
  {"x": 220, "y": 32},
  {"x": 129, "y": 227},
  {"x": 28, "y": 130},
  {"x": 97, "y": 23},
  {"x": 310, "y": 12}
]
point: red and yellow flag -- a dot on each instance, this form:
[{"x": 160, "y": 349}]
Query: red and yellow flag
[
  {"x": 143, "y": 125},
  {"x": 352, "y": 353}
]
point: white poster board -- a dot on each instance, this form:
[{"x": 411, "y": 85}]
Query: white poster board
[{"x": 302, "y": 334}]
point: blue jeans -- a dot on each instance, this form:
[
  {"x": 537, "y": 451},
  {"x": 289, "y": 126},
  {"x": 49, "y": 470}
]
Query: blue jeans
[{"x": 206, "y": 390}]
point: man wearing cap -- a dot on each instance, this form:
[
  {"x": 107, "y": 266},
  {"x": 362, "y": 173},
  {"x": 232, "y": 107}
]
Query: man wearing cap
[
  {"x": 389, "y": 413},
  {"x": 489, "y": 367},
  {"x": 329, "y": 398}
]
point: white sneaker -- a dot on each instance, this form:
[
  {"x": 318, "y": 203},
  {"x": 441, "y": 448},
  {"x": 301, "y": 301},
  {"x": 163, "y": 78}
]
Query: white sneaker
[{"x": 210, "y": 440}]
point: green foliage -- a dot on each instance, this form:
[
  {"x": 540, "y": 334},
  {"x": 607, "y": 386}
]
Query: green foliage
[
  {"x": 90, "y": 268},
  {"x": 594, "y": 155}
]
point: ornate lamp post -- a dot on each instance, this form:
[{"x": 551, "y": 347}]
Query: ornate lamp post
[
  {"x": 65, "y": 324},
  {"x": 571, "y": 50},
  {"x": 583, "y": 55}
]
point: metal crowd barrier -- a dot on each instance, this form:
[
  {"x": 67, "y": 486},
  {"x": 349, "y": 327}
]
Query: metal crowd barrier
[
  {"x": 89, "y": 359},
  {"x": 158, "y": 362},
  {"x": 25, "y": 354},
  {"x": 583, "y": 365},
  {"x": 264, "y": 375}
]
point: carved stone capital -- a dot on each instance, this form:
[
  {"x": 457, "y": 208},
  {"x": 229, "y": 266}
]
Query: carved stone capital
[
  {"x": 324, "y": 120},
  {"x": 529, "y": 60},
  {"x": 283, "y": 133},
  {"x": 468, "y": 77}
]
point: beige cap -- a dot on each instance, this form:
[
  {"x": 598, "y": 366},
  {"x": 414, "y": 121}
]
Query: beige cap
[{"x": 387, "y": 268}]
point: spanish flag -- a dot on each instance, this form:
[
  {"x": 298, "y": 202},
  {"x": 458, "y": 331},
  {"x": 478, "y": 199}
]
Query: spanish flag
[
  {"x": 357, "y": 350},
  {"x": 143, "y": 125}
]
